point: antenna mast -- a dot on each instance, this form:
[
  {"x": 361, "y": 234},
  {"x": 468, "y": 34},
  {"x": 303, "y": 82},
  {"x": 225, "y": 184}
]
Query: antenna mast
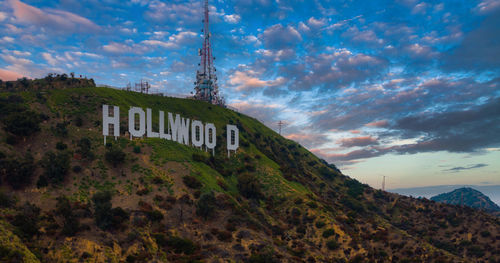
[
  {"x": 206, "y": 87},
  {"x": 383, "y": 183}
]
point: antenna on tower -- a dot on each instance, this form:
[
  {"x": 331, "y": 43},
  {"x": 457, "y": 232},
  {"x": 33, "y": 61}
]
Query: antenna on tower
[
  {"x": 206, "y": 87},
  {"x": 280, "y": 123}
]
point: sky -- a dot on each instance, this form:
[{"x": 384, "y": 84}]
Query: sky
[{"x": 405, "y": 89}]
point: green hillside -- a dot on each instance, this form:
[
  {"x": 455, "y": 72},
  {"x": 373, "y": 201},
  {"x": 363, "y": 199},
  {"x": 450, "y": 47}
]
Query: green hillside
[{"x": 68, "y": 197}]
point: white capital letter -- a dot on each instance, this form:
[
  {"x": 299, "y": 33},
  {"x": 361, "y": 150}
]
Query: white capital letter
[
  {"x": 197, "y": 133},
  {"x": 107, "y": 120},
  {"x": 232, "y": 142},
  {"x": 210, "y": 136},
  {"x": 163, "y": 135},
  {"x": 150, "y": 132},
  {"x": 131, "y": 122},
  {"x": 174, "y": 125}
]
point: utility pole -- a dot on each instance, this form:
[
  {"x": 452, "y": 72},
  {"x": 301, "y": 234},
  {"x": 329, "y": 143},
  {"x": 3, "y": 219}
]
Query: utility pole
[
  {"x": 280, "y": 123},
  {"x": 383, "y": 183}
]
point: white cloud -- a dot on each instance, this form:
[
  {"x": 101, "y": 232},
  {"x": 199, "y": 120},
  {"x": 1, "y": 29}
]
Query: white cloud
[{"x": 233, "y": 19}]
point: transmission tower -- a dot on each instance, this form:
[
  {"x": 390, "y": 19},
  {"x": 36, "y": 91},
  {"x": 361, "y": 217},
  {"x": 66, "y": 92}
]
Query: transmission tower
[
  {"x": 206, "y": 87},
  {"x": 383, "y": 183},
  {"x": 280, "y": 123}
]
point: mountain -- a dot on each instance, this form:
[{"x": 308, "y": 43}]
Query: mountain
[
  {"x": 469, "y": 197},
  {"x": 492, "y": 191},
  {"x": 66, "y": 196}
]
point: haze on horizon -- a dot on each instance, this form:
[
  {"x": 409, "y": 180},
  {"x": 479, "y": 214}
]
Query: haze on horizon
[{"x": 407, "y": 89}]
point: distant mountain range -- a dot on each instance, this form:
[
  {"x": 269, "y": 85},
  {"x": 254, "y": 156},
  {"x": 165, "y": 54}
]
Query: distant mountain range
[
  {"x": 469, "y": 197},
  {"x": 492, "y": 191}
]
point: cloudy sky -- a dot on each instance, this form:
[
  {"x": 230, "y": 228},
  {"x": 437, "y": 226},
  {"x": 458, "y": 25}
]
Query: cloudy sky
[{"x": 407, "y": 89}]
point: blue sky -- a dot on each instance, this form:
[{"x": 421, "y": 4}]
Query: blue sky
[{"x": 407, "y": 89}]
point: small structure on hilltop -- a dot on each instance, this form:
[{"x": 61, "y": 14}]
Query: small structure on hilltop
[{"x": 206, "y": 87}]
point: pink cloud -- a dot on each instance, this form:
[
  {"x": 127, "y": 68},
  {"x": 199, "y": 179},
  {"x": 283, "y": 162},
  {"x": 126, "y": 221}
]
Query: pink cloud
[
  {"x": 7, "y": 75},
  {"x": 51, "y": 18},
  {"x": 379, "y": 124},
  {"x": 358, "y": 141}
]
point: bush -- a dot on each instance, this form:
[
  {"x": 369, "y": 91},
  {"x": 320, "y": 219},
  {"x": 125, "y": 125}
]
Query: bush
[
  {"x": 249, "y": 186},
  {"x": 328, "y": 233},
  {"x": 192, "y": 182},
  {"x": 61, "y": 146},
  {"x": 205, "y": 207},
  {"x": 320, "y": 224},
  {"x": 114, "y": 155},
  {"x": 18, "y": 173},
  {"x": 27, "y": 220},
  {"x": 77, "y": 169},
  {"x": 332, "y": 244},
  {"x": 61, "y": 129},
  {"x": 137, "y": 149},
  {"x": 71, "y": 222},
  {"x": 102, "y": 209},
  {"x": 155, "y": 216},
  {"x": 56, "y": 167},
  {"x": 84, "y": 148},
  {"x": 78, "y": 121},
  {"x": 23, "y": 123},
  {"x": 6, "y": 200},
  {"x": 181, "y": 245},
  {"x": 199, "y": 157}
]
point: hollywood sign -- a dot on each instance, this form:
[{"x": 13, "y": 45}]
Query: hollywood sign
[{"x": 177, "y": 128}]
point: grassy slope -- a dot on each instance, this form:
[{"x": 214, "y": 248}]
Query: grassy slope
[{"x": 365, "y": 221}]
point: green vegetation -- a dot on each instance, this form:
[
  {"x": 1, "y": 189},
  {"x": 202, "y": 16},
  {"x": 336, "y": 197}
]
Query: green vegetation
[{"x": 56, "y": 167}]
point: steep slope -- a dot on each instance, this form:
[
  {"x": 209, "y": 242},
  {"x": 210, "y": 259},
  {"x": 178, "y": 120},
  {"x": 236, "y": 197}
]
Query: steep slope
[
  {"x": 469, "y": 197},
  {"x": 69, "y": 197}
]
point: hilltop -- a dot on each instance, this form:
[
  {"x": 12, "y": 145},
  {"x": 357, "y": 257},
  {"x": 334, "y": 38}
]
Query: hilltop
[
  {"x": 68, "y": 197},
  {"x": 469, "y": 197}
]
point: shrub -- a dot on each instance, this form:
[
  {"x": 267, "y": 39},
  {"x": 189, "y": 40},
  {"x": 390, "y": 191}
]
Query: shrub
[
  {"x": 137, "y": 149},
  {"x": 192, "y": 182},
  {"x": 78, "y": 121},
  {"x": 61, "y": 129},
  {"x": 249, "y": 186},
  {"x": 77, "y": 169},
  {"x": 27, "y": 220},
  {"x": 114, "y": 155},
  {"x": 18, "y": 173},
  {"x": 199, "y": 157},
  {"x": 155, "y": 216},
  {"x": 56, "y": 167},
  {"x": 71, "y": 222},
  {"x": 61, "y": 146},
  {"x": 84, "y": 148},
  {"x": 328, "y": 233},
  {"x": 332, "y": 244},
  {"x": 23, "y": 123},
  {"x": 181, "y": 245},
  {"x": 102, "y": 209},
  {"x": 205, "y": 207},
  {"x": 320, "y": 224},
  {"x": 6, "y": 200}
]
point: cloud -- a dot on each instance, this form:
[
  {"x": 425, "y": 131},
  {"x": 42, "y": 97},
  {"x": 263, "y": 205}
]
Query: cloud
[
  {"x": 378, "y": 124},
  {"x": 358, "y": 141},
  {"x": 461, "y": 168},
  {"x": 232, "y": 19},
  {"x": 7, "y": 39},
  {"x": 367, "y": 36},
  {"x": 7, "y": 75},
  {"x": 246, "y": 81},
  {"x": 280, "y": 37},
  {"x": 52, "y": 19},
  {"x": 48, "y": 57},
  {"x": 175, "y": 41},
  {"x": 479, "y": 49},
  {"x": 487, "y": 6},
  {"x": 3, "y": 16},
  {"x": 453, "y": 131}
]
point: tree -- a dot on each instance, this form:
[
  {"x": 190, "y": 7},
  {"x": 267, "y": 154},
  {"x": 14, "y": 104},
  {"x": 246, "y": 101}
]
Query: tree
[
  {"x": 102, "y": 209},
  {"x": 114, "y": 155},
  {"x": 205, "y": 207},
  {"x": 56, "y": 167},
  {"x": 18, "y": 173},
  {"x": 85, "y": 147},
  {"x": 249, "y": 186},
  {"x": 71, "y": 222},
  {"x": 23, "y": 123},
  {"x": 27, "y": 220}
]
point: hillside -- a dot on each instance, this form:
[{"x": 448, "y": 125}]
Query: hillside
[
  {"x": 469, "y": 197},
  {"x": 67, "y": 197}
]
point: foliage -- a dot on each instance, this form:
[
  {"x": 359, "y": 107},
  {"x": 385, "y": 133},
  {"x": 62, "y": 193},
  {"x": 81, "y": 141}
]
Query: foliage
[
  {"x": 192, "y": 182},
  {"x": 71, "y": 222},
  {"x": 23, "y": 123},
  {"x": 328, "y": 232},
  {"x": 18, "y": 173},
  {"x": 181, "y": 245},
  {"x": 107, "y": 218},
  {"x": 205, "y": 207},
  {"x": 249, "y": 186},
  {"x": 27, "y": 220},
  {"x": 332, "y": 244},
  {"x": 56, "y": 167},
  {"x": 114, "y": 155},
  {"x": 85, "y": 148}
]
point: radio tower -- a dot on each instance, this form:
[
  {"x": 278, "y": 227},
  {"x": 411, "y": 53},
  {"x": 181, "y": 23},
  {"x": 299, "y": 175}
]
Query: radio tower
[{"x": 206, "y": 87}]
